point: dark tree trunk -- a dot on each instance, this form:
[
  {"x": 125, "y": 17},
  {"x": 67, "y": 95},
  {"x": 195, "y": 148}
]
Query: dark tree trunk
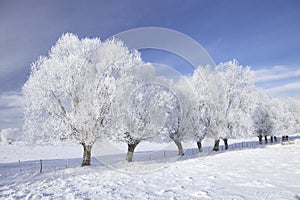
[
  {"x": 199, "y": 144},
  {"x": 283, "y": 139},
  {"x": 275, "y": 139},
  {"x": 216, "y": 146},
  {"x": 266, "y": 139},
  {"x": 225, "y": 143},
  {"x": 271, "y": 139},
  {"x": 87, "y": 152},
  {"x": 260, "y": 139},
  {"x": 180, "y": 148},
  {"x": 130, "y": 150}
]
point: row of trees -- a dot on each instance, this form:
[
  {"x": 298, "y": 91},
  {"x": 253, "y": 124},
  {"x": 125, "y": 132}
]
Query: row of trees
[{"x": 86, "y": 90}]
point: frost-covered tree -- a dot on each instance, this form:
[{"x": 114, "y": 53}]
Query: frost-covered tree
[
  {"x": 187, "y": 125},
  {"x": 69, "y": 93},
  {"x": 281, "y": 116},
  {"x": 220, "y": 104},
  {"x": 10, "y": 135},
  {"x": 135, "y": 78},
  {"x": 198, "y": 93},
  {"x": 275, "y": 116},
  {"x": 294, "y": 109},
  {"x": 263, "y": 123},
  {"x": 148, "y": 113},
  {"x": 173, "y": 112},
  {"x": 239, "y": 100}
]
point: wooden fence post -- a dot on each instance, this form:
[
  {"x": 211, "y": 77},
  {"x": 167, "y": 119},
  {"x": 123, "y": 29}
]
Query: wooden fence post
[
  {"x": 20, "y": 166},
  {"x": 41, "y": 166}
]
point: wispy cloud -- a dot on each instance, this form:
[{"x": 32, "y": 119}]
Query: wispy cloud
[
  {"x": 279, "y": 81},
  {"x": 284, "y": 90},
  {"x": 11, "y": 110},
  {"x": 275, "y": 73}
]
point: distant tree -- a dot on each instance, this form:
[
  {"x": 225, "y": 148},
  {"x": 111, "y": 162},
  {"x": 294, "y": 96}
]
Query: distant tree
[
  {"x": 263, "y": 123},
  {"x": 275, "y": 116},
  {"x": 220, "y": 103},
  {"x": 10, "y": 135},
  {"x": 69, "y": 93},
  {"x": 294, "y": 109},
  {"x": 281, "y": 116}
]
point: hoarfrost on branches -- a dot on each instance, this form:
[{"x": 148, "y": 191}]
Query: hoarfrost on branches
[
  {"x": 69, "y": 93},
  {"x": 240, "y": 98},
  {"x": 85, "y": 90}
]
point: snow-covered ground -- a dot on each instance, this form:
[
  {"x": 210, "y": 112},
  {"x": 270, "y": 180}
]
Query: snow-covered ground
[{"x": 254, "y": 172}]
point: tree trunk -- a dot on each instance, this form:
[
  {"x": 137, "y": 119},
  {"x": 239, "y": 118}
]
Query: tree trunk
[
  {"x": 225, "y": 143},
  {"x": 87, "y": 152},
  {"x": 275, "y": 139},
  {"x": 180, "y": 149},
  {"x": 199, "y": 144},
  {"x": 266, "y": 139},
  {"x": 260, "y": 139},
  {"x": 130, "y": 150},
  {"x": 271, "y": 139},
  {"x": 216, "y": 146},
  {"x": 283, "y": 139}
]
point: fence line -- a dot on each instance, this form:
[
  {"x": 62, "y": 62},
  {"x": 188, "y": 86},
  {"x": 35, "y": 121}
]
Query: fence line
[{"x": 59, "y": 164}]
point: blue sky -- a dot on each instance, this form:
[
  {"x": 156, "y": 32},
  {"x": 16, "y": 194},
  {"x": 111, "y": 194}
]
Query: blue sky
[{"x": 263, "y": 34}]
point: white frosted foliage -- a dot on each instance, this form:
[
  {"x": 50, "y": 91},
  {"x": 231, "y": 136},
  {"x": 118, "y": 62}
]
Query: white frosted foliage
[{"x": 69, "y": 93}]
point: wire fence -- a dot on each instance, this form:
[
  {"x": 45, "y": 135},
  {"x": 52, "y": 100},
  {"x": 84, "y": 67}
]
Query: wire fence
[
  {"x": 36, "y": 166},
  {"x": 40, "y": 166}
]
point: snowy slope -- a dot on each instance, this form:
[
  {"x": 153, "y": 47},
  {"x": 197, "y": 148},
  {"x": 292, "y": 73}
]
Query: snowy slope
[{"x": 264, "y": 172}]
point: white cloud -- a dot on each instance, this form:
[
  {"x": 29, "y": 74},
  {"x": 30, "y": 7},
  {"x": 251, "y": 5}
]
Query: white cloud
[
  {"x": 284, "y": 90},
  {"x": 11, "y": 110},
  {"x": 275, "y": 73},
  {"x": 11, "y": 99}
]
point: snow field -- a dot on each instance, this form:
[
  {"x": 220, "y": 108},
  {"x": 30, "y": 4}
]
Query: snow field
[{"x": 265, "y": 172}]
